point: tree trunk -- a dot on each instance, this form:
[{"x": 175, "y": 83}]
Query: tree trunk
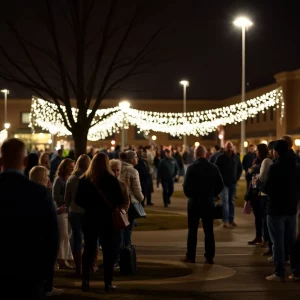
[{"x": 80, "y": 140}]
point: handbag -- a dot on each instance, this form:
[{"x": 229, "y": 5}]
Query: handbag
[
  {"x": 247, "y": 208},
  {"x": 218, "y": 211},
  {"x": 119, "y": 216},
  {"x": 136, "y": 211}
]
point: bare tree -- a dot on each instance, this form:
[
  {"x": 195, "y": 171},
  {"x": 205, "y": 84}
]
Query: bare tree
[{"x": 102, "y": 58}]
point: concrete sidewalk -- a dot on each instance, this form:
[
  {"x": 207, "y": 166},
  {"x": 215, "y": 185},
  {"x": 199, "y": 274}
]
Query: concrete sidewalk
[{"x": 239, "y": 269}]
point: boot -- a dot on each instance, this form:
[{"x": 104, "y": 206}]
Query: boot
[{"x": 77, "y": 260}]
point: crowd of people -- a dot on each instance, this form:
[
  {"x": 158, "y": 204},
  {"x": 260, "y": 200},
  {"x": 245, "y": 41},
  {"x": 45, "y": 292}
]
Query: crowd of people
[{"x": 57, "y": 205}]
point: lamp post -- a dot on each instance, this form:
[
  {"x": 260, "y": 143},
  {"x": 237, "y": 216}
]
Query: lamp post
[
  {"x": 5, "y": 92},
  {"x": 243, "y": 23},
  {"x": 185, "y": 84},
  {"x": 124, "y": 106}
]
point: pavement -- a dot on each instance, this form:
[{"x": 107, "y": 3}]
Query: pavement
[{"x": 239, "y": 271}]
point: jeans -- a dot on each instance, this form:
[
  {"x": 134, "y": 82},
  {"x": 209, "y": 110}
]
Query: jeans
[
  {"x": 127, "y": 233},
  {"x": 227, "y": 196},
  {"x": 279, "y": 226},
  {"x": 168, "y": 189},
  {"x": 257, "y": 211},
  {"x": 76, "y": 221},
  {"x": 194, "y": 216}
]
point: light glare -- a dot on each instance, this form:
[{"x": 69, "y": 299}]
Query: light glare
[{"x": 242, "y": 22}]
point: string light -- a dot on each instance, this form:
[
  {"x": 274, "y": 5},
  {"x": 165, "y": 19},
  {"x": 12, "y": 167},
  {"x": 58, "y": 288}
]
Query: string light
[
  {"x": 3, "y": 135},
  {"x": 108, "y": 121}
]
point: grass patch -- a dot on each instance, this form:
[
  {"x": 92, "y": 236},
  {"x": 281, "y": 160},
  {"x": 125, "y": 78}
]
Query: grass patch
[
  {"x": 161, "y": 221},
  {"x": 65, "y": 280},
  {"x": 240, "y": 193}
]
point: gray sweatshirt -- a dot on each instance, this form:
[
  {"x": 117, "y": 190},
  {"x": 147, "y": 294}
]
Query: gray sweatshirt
[{"x": 71, "y": 189}]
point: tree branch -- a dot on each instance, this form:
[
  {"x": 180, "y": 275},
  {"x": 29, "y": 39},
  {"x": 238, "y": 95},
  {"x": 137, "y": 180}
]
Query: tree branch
[
  {"x": 99, "y": 56},
  {"x": 61, "y": 66}
]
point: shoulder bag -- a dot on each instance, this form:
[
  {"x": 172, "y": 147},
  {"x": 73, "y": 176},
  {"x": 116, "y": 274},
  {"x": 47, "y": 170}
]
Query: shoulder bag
[{"x": 119, "y": 216}]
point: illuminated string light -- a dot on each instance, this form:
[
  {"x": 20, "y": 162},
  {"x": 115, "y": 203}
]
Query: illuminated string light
[
  {"x": 3, "y": 135},
  {"x": 108, "y": 121}
]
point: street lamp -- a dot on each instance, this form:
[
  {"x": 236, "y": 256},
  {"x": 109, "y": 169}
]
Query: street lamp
[
  {"x": 185, "y": 84},
  {"x": 243, "y": 23},
  {"x": 153, "y": 137},
  {"x": 5, "y": 92},
  {"x": 124, "y": 106}
]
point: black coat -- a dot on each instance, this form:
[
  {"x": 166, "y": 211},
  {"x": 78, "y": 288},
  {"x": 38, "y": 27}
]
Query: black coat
[
  {"x": 202, "y": 183},
  {"x": 230, "y": 168},
  {"x": 281, "y": 186},
  {"x": 96, "y": 210},
  {"x": 28, "y": 224}
]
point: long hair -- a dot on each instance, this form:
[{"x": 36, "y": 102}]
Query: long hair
[
  {"x": 62, "y": 168},
  {"x": 98, "y": 168},
  {"x": 44, "y": 160},
  {"x": 82, "y": 163},
  {"x": 263, "y": 151}
]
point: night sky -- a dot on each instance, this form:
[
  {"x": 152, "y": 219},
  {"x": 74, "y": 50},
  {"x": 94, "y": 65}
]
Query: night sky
[{"x": 199, "y": 43}]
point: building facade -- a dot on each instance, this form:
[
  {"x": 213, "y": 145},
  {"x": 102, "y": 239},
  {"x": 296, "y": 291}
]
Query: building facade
[{"x": 263, "y": 127}]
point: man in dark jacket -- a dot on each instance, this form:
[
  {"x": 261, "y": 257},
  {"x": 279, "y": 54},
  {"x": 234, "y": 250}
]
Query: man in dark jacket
[
  {"x": 217, "y": 153},
  {"x": 281, "y": 188},
  {"x": 202, "y": 183},
  {"x": 167, "y": 171},
  {"x": 230, "y": 168},
  {"x": 248, "y": 162},
  {"x": 27, "y": 218}
]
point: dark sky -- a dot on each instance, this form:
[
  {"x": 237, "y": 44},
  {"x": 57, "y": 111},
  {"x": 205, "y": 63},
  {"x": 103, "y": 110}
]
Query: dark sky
[{"x": 199, "y": 43}]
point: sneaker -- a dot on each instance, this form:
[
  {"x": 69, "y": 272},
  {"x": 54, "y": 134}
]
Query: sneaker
[
  {"x": 54, "y": 292},
  {"x": 294, "y": 278},
  {"x": 225, "y": 225},
  {"x": 274, "y": 277},
  {"x": 233, "y": 224}
]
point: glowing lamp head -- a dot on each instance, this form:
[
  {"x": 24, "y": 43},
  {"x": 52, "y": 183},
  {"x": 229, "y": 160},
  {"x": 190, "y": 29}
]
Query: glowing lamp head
[
  {"x": 184, "y": 82},
  {"x": 5, "y": 91},
  {"x": 221, "y": 136},
  {"x": 124, "y": 105},
  {"x": 264, "y": 142},
  {"x": 245, "y": 144},
  {"x": 154, "y": 137},
  {"x": 297, "y": 142},
  {"x": 242, "y": 22},
  {"x": 49, "y": 141},
  {"x": 113, "y": 142},
  {"x": 6, "y": 125},
  {"x": 197, "y": 144}
]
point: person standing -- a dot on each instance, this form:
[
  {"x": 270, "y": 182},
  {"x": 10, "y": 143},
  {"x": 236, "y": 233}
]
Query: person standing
[
  {"x": 167, "y": 171},
  {"x": 202, "y": 183},
  {"x": 76, "y": 213},
  {"x": 215, "y": 155},
  {"x": 247, "y": 163},
  {"x": 230, "y": 168},
  {"x": 55, "y": 161},
  {"x": 27, "y": 217},
  {"x": 98, "y": 193},
  {"x": 281, "y": 188}
]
